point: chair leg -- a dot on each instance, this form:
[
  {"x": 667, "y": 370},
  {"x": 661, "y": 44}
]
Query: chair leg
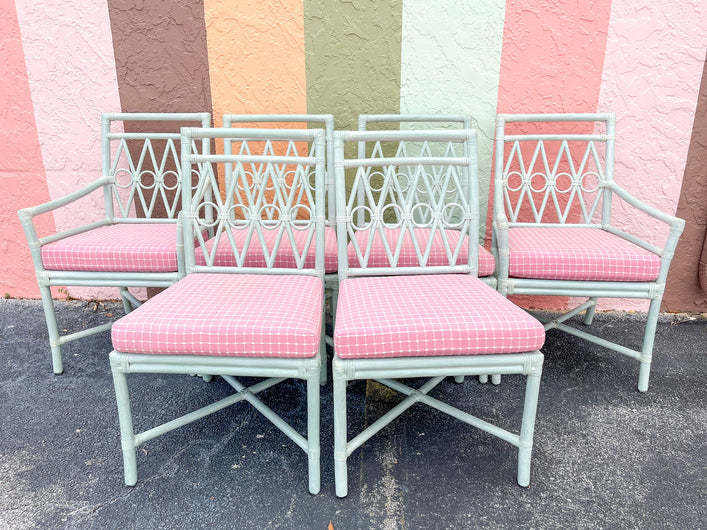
[
  {"x": 647, "y": 349},
  {"x": 313, "y": 448},
  {"x": 127, "y": 435},
  {"x": 323, "y": 356},
  {"x": 52, "y": 328},
  {"x": 589, "y": 315},
  {"x": 127, "y": 306},
  {"x": 532, "y": 389},
  {"x": 340, "y": 456}
]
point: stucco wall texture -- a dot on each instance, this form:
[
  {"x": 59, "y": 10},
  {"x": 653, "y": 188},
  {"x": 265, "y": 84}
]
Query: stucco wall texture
[{"x": 65, "y": 62}]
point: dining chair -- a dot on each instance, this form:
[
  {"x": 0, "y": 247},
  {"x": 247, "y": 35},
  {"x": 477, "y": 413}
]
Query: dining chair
[
  {"x": 135, "y": 241},
  {"x": 241, "y": 317},
  {"x": 421, "y": 314},
  {"x": 555, "y": 225}
]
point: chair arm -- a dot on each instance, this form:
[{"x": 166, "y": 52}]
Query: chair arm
[
  {"x": 33, "y": 211},
  {"x": 27, "y": 215},
  {"x": 674, "y": 222}
]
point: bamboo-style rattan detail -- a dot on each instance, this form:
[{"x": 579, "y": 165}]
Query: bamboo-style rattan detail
[
  {"x": 564, "y": 178},
  {"x": 275, "y": 189},
  {"x": 141, "y": 183},
  {"x": 405, "y": 181}
]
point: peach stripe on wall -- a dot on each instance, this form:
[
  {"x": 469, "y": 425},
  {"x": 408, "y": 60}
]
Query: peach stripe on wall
[
  {"x": 552, "y": 61},
  {"x": 651, "y": 81},
  {"x": 71, "y": 68},
  {"x": 256, "y": 57},
  {"x": 22, "y": 175}
]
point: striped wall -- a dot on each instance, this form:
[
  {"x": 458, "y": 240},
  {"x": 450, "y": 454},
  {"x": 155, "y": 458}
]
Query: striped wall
[{"x": 67, "y": 61}]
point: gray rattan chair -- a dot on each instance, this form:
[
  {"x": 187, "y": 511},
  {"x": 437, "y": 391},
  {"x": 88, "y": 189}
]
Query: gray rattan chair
[
  {"x": 136, "y": 243},
  {"x": 553, "y": 232},
  {"x": 252, "y": 301},
  {"x": 410, "y": 302}
]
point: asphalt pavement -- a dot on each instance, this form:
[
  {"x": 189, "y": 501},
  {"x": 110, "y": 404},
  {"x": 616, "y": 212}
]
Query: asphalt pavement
[{"x": 605, "y": 455}]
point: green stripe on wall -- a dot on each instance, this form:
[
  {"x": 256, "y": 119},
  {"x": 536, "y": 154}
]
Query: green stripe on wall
[
  {"x": 450, "y": 64},
  {"x": 352, "y": 54}
]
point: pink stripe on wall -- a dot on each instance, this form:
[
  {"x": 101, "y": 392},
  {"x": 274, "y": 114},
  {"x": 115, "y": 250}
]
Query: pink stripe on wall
[
  {"x": 552, "y": 61},
  {"x": 22, "y": 178},
  {"x": 71, "y": 68},
  {"x": 553, "y": 56},
  {"x": 651, "y": 79}
]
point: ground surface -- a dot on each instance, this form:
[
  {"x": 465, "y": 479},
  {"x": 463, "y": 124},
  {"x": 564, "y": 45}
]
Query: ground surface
[{"x": 605, "y": 455}]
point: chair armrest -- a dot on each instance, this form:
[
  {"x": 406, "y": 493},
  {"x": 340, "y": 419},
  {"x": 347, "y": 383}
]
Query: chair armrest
[
  {"x": 33, "y": 211},
  {"x": 674, "y": 222},
  {"x": 27, "y": 215}
]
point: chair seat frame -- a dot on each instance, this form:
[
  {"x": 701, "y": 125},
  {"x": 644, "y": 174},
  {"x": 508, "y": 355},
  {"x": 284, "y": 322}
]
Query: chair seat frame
[
  {"x": 275, "y": 370},
  {"x": 384, "y": 371}
]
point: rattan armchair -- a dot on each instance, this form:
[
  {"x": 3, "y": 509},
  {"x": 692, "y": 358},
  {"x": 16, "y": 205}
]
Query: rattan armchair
[
  {"x": 136, "y": 242},
  {"x": 553, "y": 229}
]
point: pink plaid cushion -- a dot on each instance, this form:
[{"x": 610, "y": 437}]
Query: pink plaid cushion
[
  {"x": 284, "y": 258},
  {"x": 150, "y": 247},
  {"x": 408, "y": 256},
  {"x": 239, "y": 315},
  {"x": 444, "y": 314},
  {"x": 577, "y": 253}
]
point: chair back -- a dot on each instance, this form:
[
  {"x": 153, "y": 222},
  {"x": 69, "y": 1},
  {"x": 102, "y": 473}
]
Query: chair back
[
  {"x": 552, "y": 169},
  {"x": 272, "y": 204},
  {"x": 324, "y": 121},
  {"x": 141, "y": 154},
  {"x": 405, "y": 211}
]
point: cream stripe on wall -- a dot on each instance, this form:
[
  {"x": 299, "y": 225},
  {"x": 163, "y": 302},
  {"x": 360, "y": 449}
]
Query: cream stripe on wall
[{"x": 450, "y": 64}]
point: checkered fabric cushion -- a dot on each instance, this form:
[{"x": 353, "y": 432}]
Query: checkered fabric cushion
[
  {"x": 408, "y": 256},
  {"x": 239, "y": 315},
  {"x": 430, "y": 315},
  {"x": 577, "y": 253},
  {"x": 149, "y": 247},
  {"x": 284, "y": 258}
]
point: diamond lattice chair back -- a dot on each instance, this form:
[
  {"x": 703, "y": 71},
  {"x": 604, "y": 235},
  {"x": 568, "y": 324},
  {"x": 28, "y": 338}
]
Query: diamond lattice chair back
[
  {"x": 553, "y": 230},
  {"x": 134, "y": 242},
  {"x": 251, "y": 303},
  {"x": 425, "y": 149},
  {"x": 410, "y": 300}
]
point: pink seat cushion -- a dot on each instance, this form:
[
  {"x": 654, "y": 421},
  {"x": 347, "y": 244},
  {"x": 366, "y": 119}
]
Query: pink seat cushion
[
  {"x": 285, "y": 257},
  {"x": 408, "y": 256},
  {"x": 148, "y": 247},
  {"x": 239, "y": 315},
  {"x": 577, "y": 253},
  {"x": 444, "y": 314}
]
